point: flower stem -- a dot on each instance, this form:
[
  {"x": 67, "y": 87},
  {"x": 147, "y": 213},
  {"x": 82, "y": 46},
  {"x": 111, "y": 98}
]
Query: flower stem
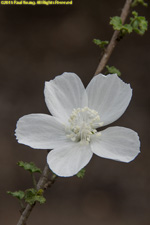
[{"x": 114, "y": 40}]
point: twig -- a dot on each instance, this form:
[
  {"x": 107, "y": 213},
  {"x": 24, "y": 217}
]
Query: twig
[
  {"x": 114, "y": 39},
  {"x": 43, "y": 181},
  {"x": 44, "y": 178}
]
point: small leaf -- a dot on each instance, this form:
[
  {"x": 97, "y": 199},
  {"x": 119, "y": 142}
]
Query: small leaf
[
  {"x": 128, "y": 28},
  {"x": 112, "y": 70},
  {"x": 81, "y": 173},
  {"x": 31, "y": 167},
  {"x": 138, "y": 23},
  {"x": 135, "y": 14},
  {"x": 100, "y": 43},
  {"x": 40, "y": 192},
  {"x": 136, "y": 2},
  {"x": 116, "y": 22},
  {"x": 18, "y": 194},
  {"x": 32, "y": 196}
]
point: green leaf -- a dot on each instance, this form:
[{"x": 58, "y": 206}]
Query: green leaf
[
  {"x": 135, "y": 14},
  {"x": 81, "y": 173},
  {"x": 127, "y": 28},
  {"x": 136, "y": 2},
  {"x": 32, "y": 196},
  {"x": 116, "y": 22},
  {"x": 112, "y": 70},
  {"x": 18, "y": 194},
  {"x": 100, "y": 43},
  {"x": 31, "y": 167},
  {"x": 40, "y": 192},
  {"x": 138, "y": 23}
]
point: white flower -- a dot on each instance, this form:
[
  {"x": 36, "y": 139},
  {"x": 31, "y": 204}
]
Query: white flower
[{"x": 77, "y": 113}]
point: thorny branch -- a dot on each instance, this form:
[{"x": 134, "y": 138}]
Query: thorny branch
[{"x": 43, "y": 181}]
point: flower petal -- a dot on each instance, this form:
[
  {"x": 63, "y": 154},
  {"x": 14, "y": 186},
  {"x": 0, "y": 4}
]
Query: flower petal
[
  {"x": 63, "y": 94},
  {"x": 117, "y": 143},
  {"x": 40, "y": 131},
  {"x": 108, "y": 95},
  {"x": 69, "y": 159}
]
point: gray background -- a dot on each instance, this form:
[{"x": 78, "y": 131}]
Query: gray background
[{"x": 38, "y": 43}]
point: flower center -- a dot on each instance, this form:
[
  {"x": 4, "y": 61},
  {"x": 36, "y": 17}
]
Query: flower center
[{"x": 82, "y": 124}]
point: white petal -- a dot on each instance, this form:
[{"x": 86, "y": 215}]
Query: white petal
[
  {"x": 117, "y": 143},
  {"x": 63, "y": 94},
  {"x": 108, "y": 95},
  {"x": 40, "y": 131},
  {"x": 69, "y": 159}
]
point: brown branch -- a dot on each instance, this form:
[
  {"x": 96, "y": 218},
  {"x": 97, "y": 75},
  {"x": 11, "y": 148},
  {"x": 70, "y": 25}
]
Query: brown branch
[
  {"x": 114, "y": 39},
  {"x": 24, "y": 216},
  {"x": 43, "y": 181}
]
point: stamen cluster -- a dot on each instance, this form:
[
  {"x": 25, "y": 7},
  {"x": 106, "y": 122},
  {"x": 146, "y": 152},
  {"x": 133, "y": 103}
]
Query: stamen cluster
[{"x": 83, "y": 122}]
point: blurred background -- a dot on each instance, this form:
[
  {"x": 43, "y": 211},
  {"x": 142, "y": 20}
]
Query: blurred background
[{"x": 38, "y": 43}]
